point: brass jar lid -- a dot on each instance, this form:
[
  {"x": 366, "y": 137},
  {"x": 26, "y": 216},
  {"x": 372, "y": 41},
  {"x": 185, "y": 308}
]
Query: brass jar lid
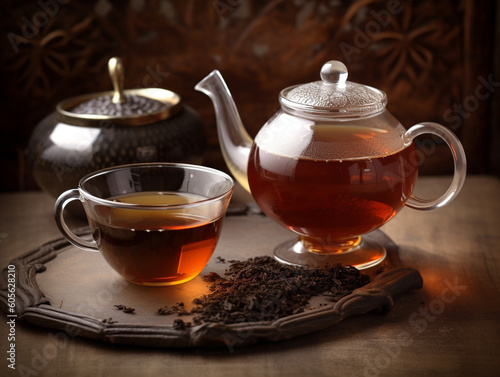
[{"x": 131, "y": 107}]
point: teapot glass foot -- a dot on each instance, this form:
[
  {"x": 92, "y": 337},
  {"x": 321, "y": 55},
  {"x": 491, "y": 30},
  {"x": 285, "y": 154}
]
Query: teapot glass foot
[{"x": 369, "y": 252}]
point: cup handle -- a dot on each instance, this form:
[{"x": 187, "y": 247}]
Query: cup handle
[
  {"x": 61, "y": 203},
  {"x": 459, "y": 161}
]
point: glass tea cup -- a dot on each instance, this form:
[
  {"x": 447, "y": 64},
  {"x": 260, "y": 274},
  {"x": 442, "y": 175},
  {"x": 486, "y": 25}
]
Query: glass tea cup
[{"x": 155, "y": 223}]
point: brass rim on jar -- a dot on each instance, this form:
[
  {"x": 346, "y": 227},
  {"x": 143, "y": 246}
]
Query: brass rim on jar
[{"x": 171, "y": 100}]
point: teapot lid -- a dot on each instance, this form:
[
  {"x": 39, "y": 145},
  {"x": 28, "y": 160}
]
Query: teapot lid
[
  {"x": 333, "y": 96},
  {"x": 131, "y": 107}
]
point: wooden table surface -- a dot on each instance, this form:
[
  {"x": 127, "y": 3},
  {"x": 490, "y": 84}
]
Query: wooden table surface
[{"x": 450, "y": 327}]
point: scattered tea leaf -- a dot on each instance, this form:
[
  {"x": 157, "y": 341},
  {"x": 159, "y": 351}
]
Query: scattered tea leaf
[
  {"x": 262, "y": 289},
  {"x": 180, "y": 324},
  {"x": 125, "y": 309}
]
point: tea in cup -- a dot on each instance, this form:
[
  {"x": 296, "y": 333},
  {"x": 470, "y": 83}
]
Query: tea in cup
[{"x": 155, "y": 224}]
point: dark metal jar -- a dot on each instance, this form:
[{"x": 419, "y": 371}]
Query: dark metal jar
[{"x": 152, "y": 126}]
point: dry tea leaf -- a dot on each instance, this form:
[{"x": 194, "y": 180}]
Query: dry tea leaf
[
  {"x": 125, "y": 309},
  {"x": 262, "y": 289}
]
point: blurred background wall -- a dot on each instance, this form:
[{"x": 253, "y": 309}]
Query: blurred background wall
[{"x": 436, "y": 60}]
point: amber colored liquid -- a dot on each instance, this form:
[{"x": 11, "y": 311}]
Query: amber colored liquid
[
  {"x": 156, "y": 247},
  {"x": 332, "y": 200}
]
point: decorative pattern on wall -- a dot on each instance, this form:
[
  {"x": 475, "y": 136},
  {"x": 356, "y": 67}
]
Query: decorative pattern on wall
[{"x": 420, "y": 52}]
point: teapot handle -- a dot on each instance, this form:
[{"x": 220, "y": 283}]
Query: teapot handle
[{"x": 459, "y": 161}]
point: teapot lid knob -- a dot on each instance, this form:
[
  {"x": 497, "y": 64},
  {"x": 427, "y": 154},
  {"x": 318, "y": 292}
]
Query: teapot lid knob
[
  {"x": 115, "y": 67},
  {"x": 334, "y": 72},
  {"x": 333, "y": 96}
]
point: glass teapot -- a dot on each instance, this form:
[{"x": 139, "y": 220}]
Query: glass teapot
[{"x": 332, "y": 165}]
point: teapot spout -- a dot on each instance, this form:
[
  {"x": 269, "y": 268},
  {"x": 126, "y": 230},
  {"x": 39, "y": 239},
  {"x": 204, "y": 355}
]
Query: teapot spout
[{"x": 234, "y": 140}]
